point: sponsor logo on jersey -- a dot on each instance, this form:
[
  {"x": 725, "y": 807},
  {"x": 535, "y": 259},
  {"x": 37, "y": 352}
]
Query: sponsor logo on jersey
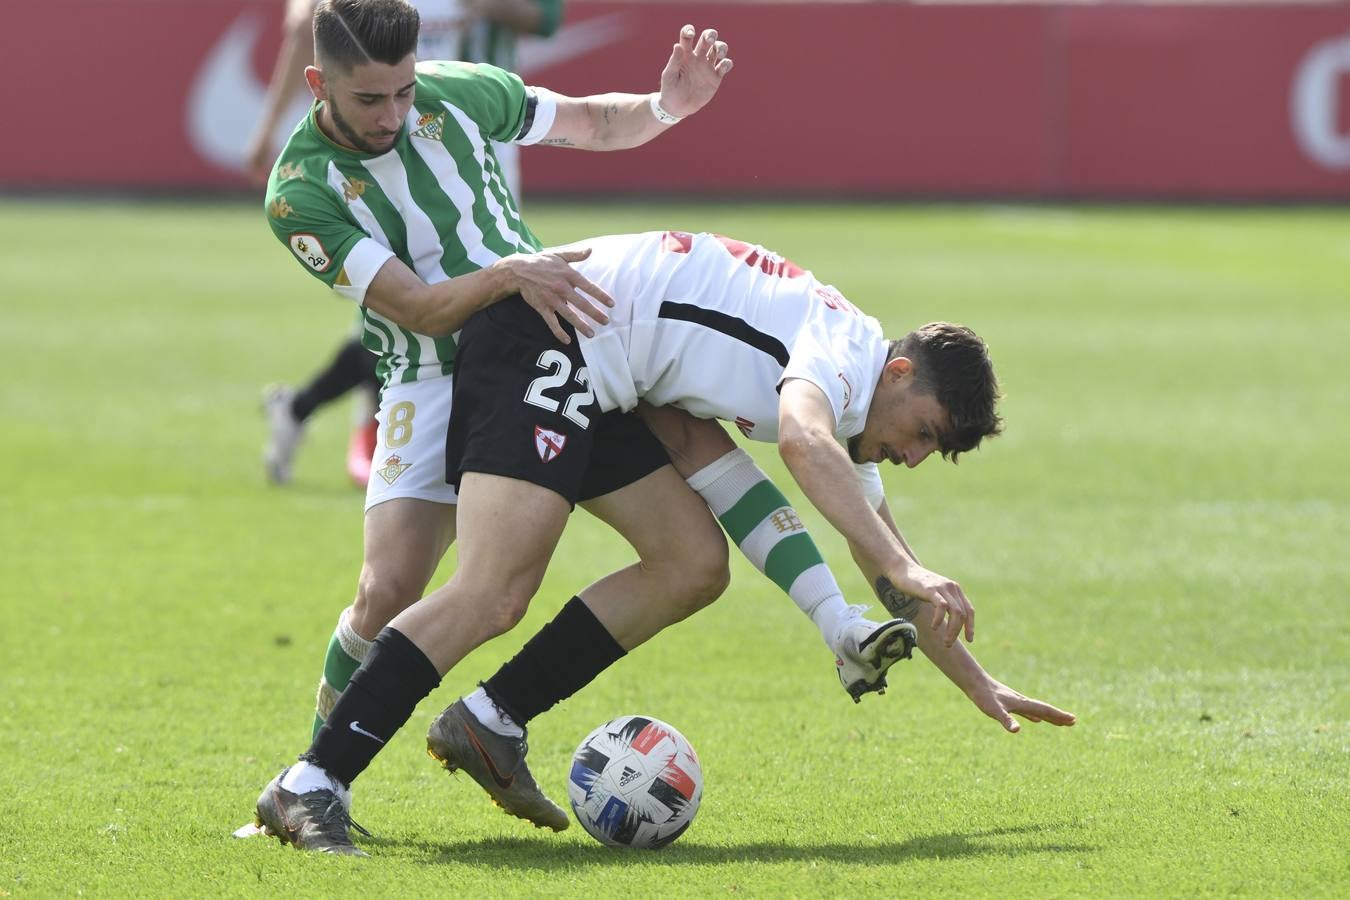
[
  {"x": 311, "y": 252},
  {"x": 392, "y": 468},
  {"x": 430, "y": 126},
  {"x": 279, "y": 208},
  {"x": 848, "y": 390},
  {"x": 785, "y": 520},
  {"x": 548, "y": 444},
  {"x": 287, "y": 171},
  {"x": 745, "y": 425},
  {"x": 354, "y": 188}
]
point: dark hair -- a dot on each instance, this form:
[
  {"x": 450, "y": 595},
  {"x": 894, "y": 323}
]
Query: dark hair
[
  {"x": 348, "y": 33},
  {"x": 952, "y": 362}
]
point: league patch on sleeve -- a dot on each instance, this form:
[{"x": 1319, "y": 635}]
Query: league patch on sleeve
[{"x": 311, "y": 252}]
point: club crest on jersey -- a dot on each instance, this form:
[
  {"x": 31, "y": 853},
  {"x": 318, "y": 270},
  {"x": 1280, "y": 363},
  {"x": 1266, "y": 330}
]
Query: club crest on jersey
[
  {"x": 430, "y": 126},
  {"x": 311, "y": 252},
  {"x": 392, "y": 468},
  {"x": 279, "y": 208},
  {"x": 548, "y": 443},
  {"x": 353, "y": 189}
]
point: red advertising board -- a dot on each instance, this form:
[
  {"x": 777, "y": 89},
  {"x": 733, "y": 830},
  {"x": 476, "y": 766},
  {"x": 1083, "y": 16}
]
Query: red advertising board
[
  {"x": 1207, "y": 101},
  {"x": 845, "y": 99}
]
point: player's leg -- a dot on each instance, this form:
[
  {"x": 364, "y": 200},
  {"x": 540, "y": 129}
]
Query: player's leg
[
  {"x": 287, "y": 409},
  {"x": 365, "y": 432},
  {"x": 682, "y": 567},
  {"x": 410, "y": 521},
  {"x": 765, "y": 527},
  {"x": 510, "y": 528},
  {"x": 404, "y": 542},
  {"x": 519, "y": 464}
]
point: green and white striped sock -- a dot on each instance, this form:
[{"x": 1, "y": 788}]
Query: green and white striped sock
[
  {"x": 759, "y": 519},
  {"x": 346, "y": 651}
]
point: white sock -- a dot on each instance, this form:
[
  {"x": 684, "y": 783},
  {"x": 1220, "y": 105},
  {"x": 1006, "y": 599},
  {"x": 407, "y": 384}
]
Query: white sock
[
  {"x": 304, "y": 777},
  {"x": 487, "y": 712},
  {"x": 833, "y": 618},
  {"x": 353, "y": 644}
]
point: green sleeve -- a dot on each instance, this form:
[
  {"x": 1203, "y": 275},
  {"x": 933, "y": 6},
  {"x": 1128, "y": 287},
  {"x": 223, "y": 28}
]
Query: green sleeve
[
  {"x": 493, "y": 98},
  {"x": 318, "y": 231}
]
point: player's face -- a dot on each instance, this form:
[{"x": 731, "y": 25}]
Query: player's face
[
  {"x": 903, "y": 422},
  {"x": 367, "y": 106}
]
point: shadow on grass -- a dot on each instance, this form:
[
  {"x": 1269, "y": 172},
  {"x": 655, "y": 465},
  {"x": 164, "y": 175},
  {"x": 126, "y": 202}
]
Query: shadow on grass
[{"x": 518, "y": 853}]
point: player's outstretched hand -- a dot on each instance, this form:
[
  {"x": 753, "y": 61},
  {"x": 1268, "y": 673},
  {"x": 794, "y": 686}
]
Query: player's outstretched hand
[
  {"x": 947, "y": 599},
  {"x": 694, "y": 72},
  {"x": 557, "y": 291},
  {"x": 1000, "y": 703}
]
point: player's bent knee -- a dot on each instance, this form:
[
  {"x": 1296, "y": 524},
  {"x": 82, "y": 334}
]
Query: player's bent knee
[
  {"x": 505, "y": 614},
  {"x": 380, "y": 597},
  {"x": 700, "y": 570},
  {"x": 712, "y": 566}
]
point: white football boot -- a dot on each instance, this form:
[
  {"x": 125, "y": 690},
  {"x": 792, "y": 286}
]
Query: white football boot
[
  {"x": 284, "y": 433},
  {"x": 865, "y": 650}
]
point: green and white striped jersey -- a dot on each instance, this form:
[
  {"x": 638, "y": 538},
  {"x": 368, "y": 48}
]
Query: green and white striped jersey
[{"x": 436, "y": 200}]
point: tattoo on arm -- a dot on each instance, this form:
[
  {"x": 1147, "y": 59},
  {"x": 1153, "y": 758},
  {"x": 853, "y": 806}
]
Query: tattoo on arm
[
  {"x": 557, "y": 142},
  {"x": 896, "y": 601},
  {"x": 613, "y": 108}
]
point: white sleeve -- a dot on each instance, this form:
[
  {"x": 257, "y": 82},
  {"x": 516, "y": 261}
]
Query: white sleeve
[
  {"x": 360, "y": 267},
  {"x": 545, "y": 110},
  {"x": 811, "y": 362},
  {"x": 869, "y": 479}
]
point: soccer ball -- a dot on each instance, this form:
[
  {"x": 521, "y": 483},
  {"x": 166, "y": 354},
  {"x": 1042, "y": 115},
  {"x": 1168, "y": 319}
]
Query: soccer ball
[{"x": 635, "y": 782}]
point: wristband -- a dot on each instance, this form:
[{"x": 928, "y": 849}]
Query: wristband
[{"x": 662, "y": 116}]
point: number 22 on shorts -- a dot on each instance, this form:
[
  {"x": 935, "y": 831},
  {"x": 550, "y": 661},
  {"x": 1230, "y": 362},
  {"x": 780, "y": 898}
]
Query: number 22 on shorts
[{"x": 560, "y": 367}]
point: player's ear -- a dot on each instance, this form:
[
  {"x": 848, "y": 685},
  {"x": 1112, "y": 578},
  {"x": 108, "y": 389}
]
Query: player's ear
[
  {"x": 317, "y": 85},
  {"x": 899, "y": 367}
]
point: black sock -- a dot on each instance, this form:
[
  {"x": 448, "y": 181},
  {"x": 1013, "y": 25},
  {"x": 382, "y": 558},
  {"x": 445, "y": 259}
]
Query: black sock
[
  {"x": 352, "y": 366},
  {"x": 377, "y": 701},
  {"x": 565, "y": 656}
]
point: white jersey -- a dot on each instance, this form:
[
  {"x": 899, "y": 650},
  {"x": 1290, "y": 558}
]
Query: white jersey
[
  {"x": 714, "y": 326},
  {"x": 441, "y": 28}
]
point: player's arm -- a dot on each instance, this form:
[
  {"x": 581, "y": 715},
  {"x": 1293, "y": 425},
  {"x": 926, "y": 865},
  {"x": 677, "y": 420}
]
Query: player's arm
[
  {"x": 875, "y": 492},
  {"x": 993, "y": 698},
  {"x": 822, "y": 468},
  {"x": 546, "y": 280},
  {"x": 288, "y": 80},
  {"x": 691, "y": 77},
  {"x": 306, "y": 218}
]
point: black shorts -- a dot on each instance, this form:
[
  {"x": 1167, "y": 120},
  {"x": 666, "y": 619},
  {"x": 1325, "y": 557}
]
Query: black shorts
[{"x": 523, "y": 408}]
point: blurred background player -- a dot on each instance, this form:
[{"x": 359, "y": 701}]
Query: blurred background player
[{"x": 469, "y": 30}]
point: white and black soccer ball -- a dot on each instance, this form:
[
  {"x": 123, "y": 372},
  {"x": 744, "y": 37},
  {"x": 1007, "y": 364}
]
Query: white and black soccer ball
[{"x": 635, "y": 782}]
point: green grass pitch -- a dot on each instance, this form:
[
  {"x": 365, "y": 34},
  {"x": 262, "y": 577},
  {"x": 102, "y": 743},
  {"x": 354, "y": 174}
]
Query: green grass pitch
[{"x": 1159, "y": 543}]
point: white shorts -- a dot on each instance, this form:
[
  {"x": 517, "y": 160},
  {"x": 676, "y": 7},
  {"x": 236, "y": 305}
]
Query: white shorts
[{"x": 409, "y": 458}]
